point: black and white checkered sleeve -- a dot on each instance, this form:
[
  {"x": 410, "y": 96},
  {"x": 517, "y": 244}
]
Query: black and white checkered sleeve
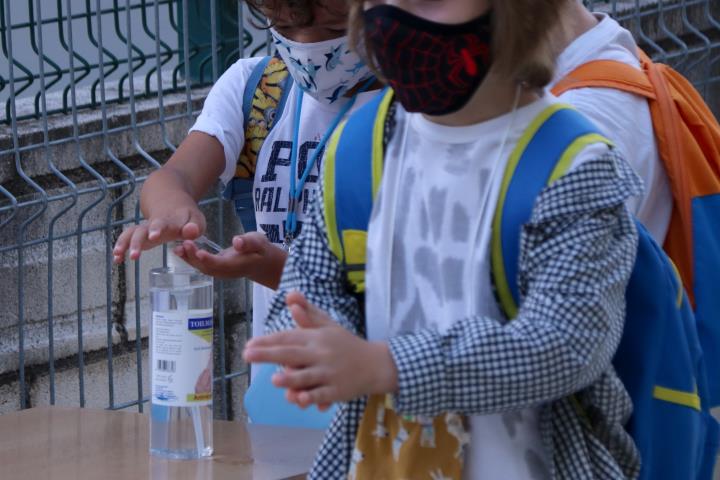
[
  {"x": 577, "y": 254},
  {"x": 313, "y": 270}
]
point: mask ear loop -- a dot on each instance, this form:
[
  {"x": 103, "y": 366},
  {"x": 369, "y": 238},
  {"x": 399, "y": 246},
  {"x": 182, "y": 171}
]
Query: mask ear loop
[
  {"x": 518, "y": 91},
  {"x": 390, "y": 227},
  {"x": 473, "y": 280}
]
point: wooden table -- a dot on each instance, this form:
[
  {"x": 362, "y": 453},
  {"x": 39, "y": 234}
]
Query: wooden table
[{"x": 57, "y": 443}]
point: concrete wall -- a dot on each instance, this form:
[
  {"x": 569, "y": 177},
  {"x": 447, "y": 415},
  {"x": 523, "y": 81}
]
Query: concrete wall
[{"x": 108, "y": 297}]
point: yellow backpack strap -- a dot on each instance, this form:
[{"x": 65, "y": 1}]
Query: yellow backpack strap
[{"x": 352, "y": 172}]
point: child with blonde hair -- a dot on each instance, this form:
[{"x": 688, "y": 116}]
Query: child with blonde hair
[{"x": 434, "y": 380}]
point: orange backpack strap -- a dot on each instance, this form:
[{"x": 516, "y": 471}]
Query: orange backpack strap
[
  {"x": 676, "y": 155},
  {"x": 606, "y": 74},
  {"x": 684, "y": 129},
  {"x": 649, "y": 82}
]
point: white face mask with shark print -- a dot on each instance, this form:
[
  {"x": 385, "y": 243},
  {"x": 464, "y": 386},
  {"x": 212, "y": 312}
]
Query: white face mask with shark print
[{"x": 325, "y": 70}]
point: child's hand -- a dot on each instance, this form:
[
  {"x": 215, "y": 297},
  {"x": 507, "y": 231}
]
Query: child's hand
[
  {"x": 324, "y": 362},
  {"x": 243, "y": 259},
  {"x": 186, "y": 223}
]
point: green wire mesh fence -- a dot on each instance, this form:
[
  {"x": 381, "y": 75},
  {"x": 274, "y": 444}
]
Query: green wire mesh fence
[
  {"x": 682, "y": 33},
  {"x": 97, "y": 94},
  {"x": 89, "y": 20}
]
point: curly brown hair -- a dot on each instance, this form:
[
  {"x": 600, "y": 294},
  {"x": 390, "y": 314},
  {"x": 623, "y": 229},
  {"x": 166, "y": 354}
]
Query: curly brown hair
[
  {"x": 301, "y": 13},
  {"x": 522, "y": 38}
]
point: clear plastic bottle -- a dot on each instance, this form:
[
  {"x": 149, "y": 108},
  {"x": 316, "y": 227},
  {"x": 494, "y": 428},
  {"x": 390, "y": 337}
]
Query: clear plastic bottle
[{"x": 181, "y": 355}]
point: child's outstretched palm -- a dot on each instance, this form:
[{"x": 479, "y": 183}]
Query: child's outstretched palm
[{"x": 246, "y": 258}]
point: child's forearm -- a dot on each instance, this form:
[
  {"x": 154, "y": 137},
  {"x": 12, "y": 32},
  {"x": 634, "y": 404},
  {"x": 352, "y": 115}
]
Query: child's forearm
[{"x": 186, "y": 177}]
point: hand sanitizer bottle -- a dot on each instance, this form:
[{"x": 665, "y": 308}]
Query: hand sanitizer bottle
[{"x": 181, "y": 356}]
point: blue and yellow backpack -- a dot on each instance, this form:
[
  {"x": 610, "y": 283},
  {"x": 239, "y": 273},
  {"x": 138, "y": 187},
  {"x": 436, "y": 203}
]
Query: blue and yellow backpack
[{"x": 660, "y": 359}]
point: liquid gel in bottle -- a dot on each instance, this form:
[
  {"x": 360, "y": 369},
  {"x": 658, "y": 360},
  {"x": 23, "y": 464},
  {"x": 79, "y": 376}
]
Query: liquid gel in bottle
[{"x": 181, "y": 355}]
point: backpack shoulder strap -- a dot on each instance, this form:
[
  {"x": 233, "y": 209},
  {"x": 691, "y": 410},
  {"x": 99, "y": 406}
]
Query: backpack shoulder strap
[
  {"x": 543, "y": 154},
  {"x": 264, "y": 99},
  {"x": 253, "y": 84},
  {"x": 352, "y": 169},
  {"x": 606, "y": 74}
]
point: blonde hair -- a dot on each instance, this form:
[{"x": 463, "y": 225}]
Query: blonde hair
[{"x": 521, "y": 39}]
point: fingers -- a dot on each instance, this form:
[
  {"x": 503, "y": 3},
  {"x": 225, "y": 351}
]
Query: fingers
[
  {"x": 301, "y": 316},
  {"x": 157, "y": 228},
  {"x": 300, "y": 310},
  {"x": 207, "y": 263},
  {"x": 254, "y": 242},
  {"x": 212, "y": 262},
  {"x": 163, "y": 230},
  {"x": 226, "y": 264},
  {"x": 324, "y": 395},
  {"x": 138, "y": 241},
  {"x": 305, "y": 314},
  {"x": 190, "y": 249},
  {"x": 320, "y": 317},
  {"x": 194, "y": 226},
  {"x": 187, "y": 223},
  {"x": 239, "y": 244},
  {"x": 296, "y": 298},
  {"x": 138, "y": 238},
  {"x": 299, "y": 379},
  {"x": 190, "y": 231},
  {"x": 285, "y": 338},
  {"x": 294, "y": 356},
  {"x": 189, "y": 254},
  {"x": 179, "y": 251},
  {"x": 122, "y": 244},
  {"x": 291, "y": 396}
]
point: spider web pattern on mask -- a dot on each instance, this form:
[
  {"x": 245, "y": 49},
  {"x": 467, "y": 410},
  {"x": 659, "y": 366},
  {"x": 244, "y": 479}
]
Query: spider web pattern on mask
[{"x": 430, "y": 72}]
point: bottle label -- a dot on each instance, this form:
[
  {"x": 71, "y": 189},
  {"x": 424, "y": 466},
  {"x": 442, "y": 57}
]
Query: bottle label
[{"x": 181, "y": 344}]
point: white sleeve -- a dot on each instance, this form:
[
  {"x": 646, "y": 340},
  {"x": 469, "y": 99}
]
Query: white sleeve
[
  {"x": 222, "y": 113},
  {"x": 625, "y": 119}
]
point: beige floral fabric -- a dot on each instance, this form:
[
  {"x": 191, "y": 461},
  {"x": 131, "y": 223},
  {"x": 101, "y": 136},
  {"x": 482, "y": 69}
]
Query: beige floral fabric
[{"x": 391, "y": 446}]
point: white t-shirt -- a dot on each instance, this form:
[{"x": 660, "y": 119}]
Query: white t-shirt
[
  {"x": 428, "y": 262},
  {"x": 222, "y": 117},
  {"x": 623, "y": 117}
]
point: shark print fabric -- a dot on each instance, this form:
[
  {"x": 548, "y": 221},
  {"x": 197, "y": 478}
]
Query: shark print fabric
[{"x": 326, "y": 70}]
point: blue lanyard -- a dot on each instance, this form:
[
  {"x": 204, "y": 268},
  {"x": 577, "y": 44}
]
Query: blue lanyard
[{"x": 296, "y": 189}]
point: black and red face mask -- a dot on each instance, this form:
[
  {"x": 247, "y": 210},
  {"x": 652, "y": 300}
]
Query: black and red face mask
[{"x": 434, "y": 68}]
